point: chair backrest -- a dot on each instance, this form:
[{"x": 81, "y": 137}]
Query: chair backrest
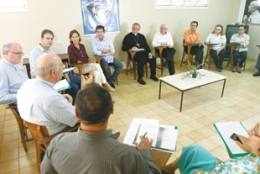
[
  {"x": 39, "y": 132},
  {"x": 232, "y": 29},
  {"x": 26, "y": 63},
  {"x": 65, "y": 59}
]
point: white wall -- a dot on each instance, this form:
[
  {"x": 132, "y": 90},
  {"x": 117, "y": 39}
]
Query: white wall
[{"x": 62, "y": 16}]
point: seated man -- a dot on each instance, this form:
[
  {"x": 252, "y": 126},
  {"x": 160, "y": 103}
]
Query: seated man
[
  {"x": 192, "y": 38},
  {"x": 197, "y": 160},
  {"x": 164, "y": 38},
  {"x": 257, "y": 73},
  {"x": 44, "y": 47},
  {"x": 103, "y": 47},
  {"x": 91, "y": 149},
  {"x": 133, "y": 41},
  {"x": 11, "y": 74},
  {"x": 240, "y": 53},
  {"x": 39, "y": 103}
]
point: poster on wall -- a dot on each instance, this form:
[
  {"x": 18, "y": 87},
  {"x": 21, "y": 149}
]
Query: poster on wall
[
  {"x": 13, "y": 5},
  {"x": 252, "y": 12},
  {"x": 100, "y": 12},
  {"x": 182, "y": 4}
]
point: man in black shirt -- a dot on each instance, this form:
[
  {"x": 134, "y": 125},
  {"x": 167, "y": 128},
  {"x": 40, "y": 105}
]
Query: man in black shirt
[{"x": 134, "y": 41}]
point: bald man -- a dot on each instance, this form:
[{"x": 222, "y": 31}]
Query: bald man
[
  {"x": 12, "y": 75},
  {"x": 164, "y": 38},
  {"x": 43, "y": 104}
]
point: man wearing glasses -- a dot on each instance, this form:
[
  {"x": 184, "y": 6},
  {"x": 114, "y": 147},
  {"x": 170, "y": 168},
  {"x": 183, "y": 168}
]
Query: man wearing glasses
[{"x": 12, "y": 75}]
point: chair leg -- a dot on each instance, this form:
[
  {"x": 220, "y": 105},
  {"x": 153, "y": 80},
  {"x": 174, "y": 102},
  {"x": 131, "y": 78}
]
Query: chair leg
[
  {"x": 38, "y": 156},
  {"x": 146, "y": 70},
  {"x": 161, "y": 65},
  {"x": 183, "y": 55},
  {"x": 134, "y": 69}
]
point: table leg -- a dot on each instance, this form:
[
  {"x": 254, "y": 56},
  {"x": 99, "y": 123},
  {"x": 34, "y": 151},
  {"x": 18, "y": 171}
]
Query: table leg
[
  {"x": 182, "y": 93},
  {"x": 224, "y": 84},
  {"x": 160, "y": 85}
]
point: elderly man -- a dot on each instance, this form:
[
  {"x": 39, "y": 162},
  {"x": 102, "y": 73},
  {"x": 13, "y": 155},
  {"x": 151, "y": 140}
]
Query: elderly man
[
  {"x": 44, "y": 47},
  {"x": 192, "y": 38},
  {"x": 134, "y": 41},
  {"x": 102, "y": 46},
  {"x": 164, "y": 39},
  {"x": 253, "y": 9},
  {"x": 39, "y": 103},
  {"x": 91, "y": 149},
  {"x": 12, "y": 75}
]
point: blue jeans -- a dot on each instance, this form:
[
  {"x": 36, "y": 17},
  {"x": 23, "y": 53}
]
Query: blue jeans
[
  {"x": 111, "y": 78},
  {"x": 239, "y": 58},
  {"x": 74, "y": 86},
  {"x": 218, "y": 58}
]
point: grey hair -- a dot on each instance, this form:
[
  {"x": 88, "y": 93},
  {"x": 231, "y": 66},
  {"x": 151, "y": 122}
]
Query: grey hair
[
  {"x": 7, "y": 47},
  {"x": 44, "y": 70}
]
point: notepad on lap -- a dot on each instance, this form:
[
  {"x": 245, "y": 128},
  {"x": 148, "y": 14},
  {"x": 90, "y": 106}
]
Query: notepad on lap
[
  {"x": 164, "y": 137},
  {"x": 225, "y": 130},
  {"x": 62, "y": 85}
]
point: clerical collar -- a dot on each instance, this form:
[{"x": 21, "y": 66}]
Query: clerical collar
[{"x": 135, "y": 33}]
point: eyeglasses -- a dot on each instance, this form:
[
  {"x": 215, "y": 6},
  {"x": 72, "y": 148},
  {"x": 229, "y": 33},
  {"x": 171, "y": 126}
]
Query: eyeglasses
[{"x": 17, "y": 53}]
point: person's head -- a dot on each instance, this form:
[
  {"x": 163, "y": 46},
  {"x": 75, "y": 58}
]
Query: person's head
[
  {"x": 163, "y": 29},
  {"x": 47, "y": 37},
  {"x": 100, "y": 31},
  {"x": 253, "y": 6},
  {"x": 136, "y": 28},
  {"x": 218, "y": 29},
  {"x": 74, "y": 37},
  {"x": 13, "y": 52},
  {"x": 93, "y": 105},
  {"x": 49, "y": 67},
  {"x": 242, "y": 29},
  {"x": 194, "y": 25}
]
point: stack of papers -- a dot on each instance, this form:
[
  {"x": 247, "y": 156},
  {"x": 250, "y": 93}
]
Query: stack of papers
[
  {"x": 62, "y": 85},
  {"x": 66, "y": 70},
  {"x": 225, "y": 130},
  {"x": 164, "y": 137}
]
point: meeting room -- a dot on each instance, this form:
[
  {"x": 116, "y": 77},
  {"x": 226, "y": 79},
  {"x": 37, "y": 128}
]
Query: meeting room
[{"x": 130, "y": 87}]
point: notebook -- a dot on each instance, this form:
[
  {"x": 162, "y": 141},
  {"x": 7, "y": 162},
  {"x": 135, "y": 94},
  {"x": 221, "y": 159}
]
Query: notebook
[
  {"x": 225, "y": 130},
  {"x": 66, "y": 70},
  {"x": 164, "y": 136},
  {"x": 62, "y": 85}
]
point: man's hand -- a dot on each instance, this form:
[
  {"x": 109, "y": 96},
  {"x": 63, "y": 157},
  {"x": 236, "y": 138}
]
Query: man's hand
[
  {"x": 79, "y": 62},
  {"x": 144, "y": 144},
  {"x": 251, "y": 144},
  {"x": 150, "y": 56},
  {"x": 68, "y": 97},
  {"x": 134, "y": 48},
  {"x": 256, "y": 130},
  {"x": 85, "y": 80}
]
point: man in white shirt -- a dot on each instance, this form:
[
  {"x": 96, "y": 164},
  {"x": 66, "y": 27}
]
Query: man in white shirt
[
  {"x": 240, "y": 53},
  {"x": 253, "y": 9},
  {"x": 38, "y": 102},
  {"x": 164, "y": 39}
]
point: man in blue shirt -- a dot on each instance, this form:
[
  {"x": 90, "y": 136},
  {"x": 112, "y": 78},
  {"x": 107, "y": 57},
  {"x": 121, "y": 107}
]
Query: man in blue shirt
[
  {"x": 103, "y": 47},
  {"x": 12, "y": 75}
]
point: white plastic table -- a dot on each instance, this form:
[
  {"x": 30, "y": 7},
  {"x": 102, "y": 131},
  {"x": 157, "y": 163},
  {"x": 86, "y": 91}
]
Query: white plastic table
[{"x": 184, "y": 82}]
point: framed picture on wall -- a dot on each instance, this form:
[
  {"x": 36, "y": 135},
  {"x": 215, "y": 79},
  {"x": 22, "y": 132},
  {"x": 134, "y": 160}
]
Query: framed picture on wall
[
  {"x": 252, "y": 12},
  {"x": 100, "y": 12}
]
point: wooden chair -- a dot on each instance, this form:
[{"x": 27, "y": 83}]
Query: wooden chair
[
  {"x": 22, "y": 127},
  {"x": 42, "y": 138},
  {"x": 131, "y": 60},
  {"x": 187, "y": 57},
  {"x": 160, "y": 51},
  {"x": 26, "y": 63},
  {"x": 64, "y": 58},
  {"x": 208, "y": 57}
]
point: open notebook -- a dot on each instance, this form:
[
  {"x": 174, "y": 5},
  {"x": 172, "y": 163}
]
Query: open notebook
[
  {"x": 225, "y": 130},
  {"x": 62, "y": 85},
  {"x": 164, "y": 137}
]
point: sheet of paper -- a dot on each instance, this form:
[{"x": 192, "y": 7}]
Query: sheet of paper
[
  {"x": 61, "y": 85},
  {"x": 226, "y": 129},
  {"x": 167, "y": 137},
  {"x": 66, "y": 70},
  {"x": 138, "y": 127}
]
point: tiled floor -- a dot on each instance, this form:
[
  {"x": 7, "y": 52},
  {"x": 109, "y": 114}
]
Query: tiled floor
[{"x": 202, "y": 107}]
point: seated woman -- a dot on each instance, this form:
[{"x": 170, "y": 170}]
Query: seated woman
[
  {"x": 78, "y": 56},
  {"x": 195, "y": 159},
  {"x": 218, "y": 42}
]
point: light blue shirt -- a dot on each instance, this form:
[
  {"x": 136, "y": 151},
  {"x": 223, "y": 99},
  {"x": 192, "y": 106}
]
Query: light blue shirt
[
  {"x": 98, "y": 45},
  {"x": 35, "y": 54},
  {"x": 11, "y": 79},
  {"x": 38, "y": 102}
]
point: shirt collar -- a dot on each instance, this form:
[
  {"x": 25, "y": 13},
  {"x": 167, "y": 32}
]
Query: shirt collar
[
  {"x": 45, "y": 82},
  {"x": 42, "y": 49},
  {"x": 9, "y": 63},
  {"x": 94, "y": 135}
]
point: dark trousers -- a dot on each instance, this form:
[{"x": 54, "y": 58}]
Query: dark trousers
[
  {"x": 111, "y": 78},
  {"x": 74, "y": 86},
  {"x": 141, "y": 60},
  {"x": 218, "y": 57},
  {"x": 198, "y": 52},
  {"x": 239, "y": 58},
  {"x": 258, "y": 63},
  {"x": 168, "y": 54}
]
